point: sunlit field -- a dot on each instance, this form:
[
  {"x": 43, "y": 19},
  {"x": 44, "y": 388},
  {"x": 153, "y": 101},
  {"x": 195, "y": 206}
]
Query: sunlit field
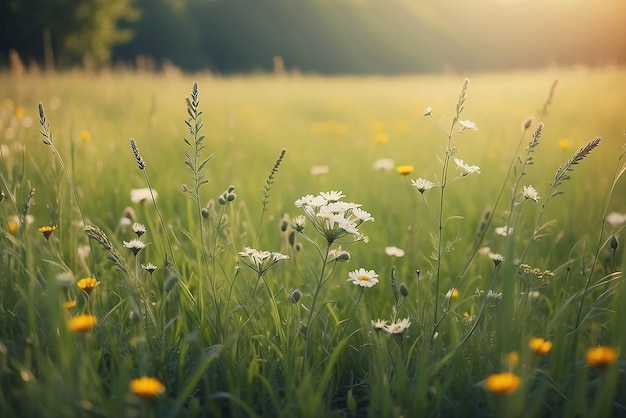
[{"x": 314, "y": 247}]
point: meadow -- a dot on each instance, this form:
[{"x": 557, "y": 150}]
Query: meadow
[{"x": 194, "y": 245}]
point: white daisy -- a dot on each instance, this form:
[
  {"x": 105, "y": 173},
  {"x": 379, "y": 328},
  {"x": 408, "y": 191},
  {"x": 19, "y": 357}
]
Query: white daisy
[
  {"x": 362, "y": 277},
  {"x": 422, "y": 185},
  {"x": 392, "y": 251},
  {"x": 468, "y": 124},
  {"x": 398, "y": 327},
  {"x": 530, "y": 193},
  {"x": 466, "y": 168}
]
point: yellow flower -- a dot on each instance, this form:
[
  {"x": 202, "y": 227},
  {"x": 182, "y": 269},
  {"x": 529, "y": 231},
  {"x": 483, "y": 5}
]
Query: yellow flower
[
  {"x": 565, "y": 144},
  {"x": 381, "y": 137},
  {"x": 404, "y": 170},
  {"x": 601, "y": 356},
  {"x": 146, "y": 387},
  {"x": 502, "y": 383},
  {"x": 82, "y": 323},
  {"x": 87, "y": 284},
  {"x": 13, "y": 227},
  {"x": 85, "y": 136},
  {"x": 540, "y": 346},
  {"x": 452, "y": 294},
  {"x": 47, "y": 230},
  {"x": 69, "y": 304},
  {"x": 19, "y": 112}
]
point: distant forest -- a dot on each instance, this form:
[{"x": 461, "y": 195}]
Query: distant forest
[{"x": 315, "y": 36}]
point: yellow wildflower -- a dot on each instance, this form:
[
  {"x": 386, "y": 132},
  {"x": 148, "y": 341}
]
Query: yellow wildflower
[
  {"x": 502, "y": 383},
  {"x": 47, "y": 230},
  {"x": 82, "y": 323},
  {"x": 404, "y": 170},
  {"x": 601, "y": 356},
  {"x": 85, "y": 136},
  {"x": 146, "y": 387},
  {"x": 540, "y": 346},
  {"x": 87, "y": 284}
]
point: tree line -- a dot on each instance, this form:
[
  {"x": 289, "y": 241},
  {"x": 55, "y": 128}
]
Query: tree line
[{"x": 318, "y": 36}]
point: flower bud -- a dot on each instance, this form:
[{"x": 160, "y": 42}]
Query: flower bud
[
  {"x": 343, "y": 256},
  {"x": 614, "y": 243},
  {"x": 295, "y": 295},
  {"x": 404, "y": 291}
]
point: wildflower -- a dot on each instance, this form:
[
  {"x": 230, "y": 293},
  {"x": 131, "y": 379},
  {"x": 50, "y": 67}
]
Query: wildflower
[
  {"x": 87, "y": 284},
  {"x": 84, "y": 136},
  {"x": 82, "y": 323},
  {"x": 69, "y": 304},
  {"x": 338, "y": 254},
  {"x": 404, "y": 170},
  {"x": 502, "y": 383},
  {"x": 601, "y": 356},
  {"x": 422, "y": 185},
  {"x": 47, "y": 230},
  {"x": 141, "y": 195},
  {"x": 260, "y": 261},
  {"x": 298, "y": 223},
  {"x": 135, "y": 245},
  {"x": 83, "y": 251},
  {"x": 468, "y": 124},
  {"x": 150, "y": 268},
  {"x": 146, "y": 387},
  {"x": 496, "y": 258},
  {"x": 381, "y": 137},
  {"x": 139, "y": 229},
  {"x": 65, "y": 279},
  {"x": 332, "y": 196},
  {"x": 318, "y": 170},
  {"x": 394, "y": 251},
  {"x": 13, "y": 225},
  {"x": 363, "y": 278},
  {"x": 530, "y": 193},
  {"x": 492, "y": 294},
  {"x": 384, "y": 164},
  {"x": 540, "y": 346},
  {"x": 504, "y": 231},
  {"x": 398, "y": 327},
  {"x": 452, "y": 294},
  {"x": 564, "y": 144},
  {"x": 428, "y": 110},
  {"x": 614, "y": 242},
  {"x": 332, "y": 217},
  {"x": 404, "y": 291},
  {"x": 379, "y": 324},
  {"x": 465, "y": 168},
  {"x": 615, "y": 218}
]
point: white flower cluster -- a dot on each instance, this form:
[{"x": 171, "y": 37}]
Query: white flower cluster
[
  {"x": 332, "y": 217},
  {"x": 397, "y": 327},
  {"x": 260, "y": 261}
]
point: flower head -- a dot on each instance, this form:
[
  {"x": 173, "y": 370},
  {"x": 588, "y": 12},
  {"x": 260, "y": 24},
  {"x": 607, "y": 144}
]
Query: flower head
[
  {"x": 84, "y": 136},
  {"x": 384, "y": 164},
  {"x": 496, "y": 258},
  {"x": 332, "y": 217},
  {"x": 428, "y": 110},
  {"x": 393, "y": 251},
  {"x": 530, "y": 193},
  {"x": 150, "y": 268},
  {"x": 318, "y": 170},
  {"x": 468, "y": 124},
  {"x": 601, "y": 356},
  {"x": 502, "y": 383},
  {"x": 564, "y": 144},
  {"x": 616, "y": 218},
  {"x": 260, "y": 261},
  {"x": 379, "y": 324},
  {"x": 82, "y": 323},
  {"x": 422, "y": 185},
  {"x": 87, "y": 284},
  {"x": 142, "y": 195},
  {"x": 452, "y": 294},
  {"x": 146, "y": 387},
  {"x": 404, "y": 170},
  {"x": 363, "y": 278},
  {"x": 398, "y": 327},
  {"x": 69, "y": 304},
  {"x": 466, "y": 168},
  {"x": 540, "y": 346},
  {"x": 504, "y": 231},
  {"x": 135, "y": 245},
  {"x": 47, "y": 230},
  {"x": 139, "y": 229}
]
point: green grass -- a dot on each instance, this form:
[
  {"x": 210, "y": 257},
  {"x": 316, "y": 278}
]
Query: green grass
[{"x": 225, "y": 340}]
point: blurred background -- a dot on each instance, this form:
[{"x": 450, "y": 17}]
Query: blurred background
[{"x": 313, "y": 36}]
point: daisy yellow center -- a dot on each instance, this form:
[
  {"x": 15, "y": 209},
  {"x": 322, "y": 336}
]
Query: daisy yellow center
[{"x": 363, "y": 278}]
